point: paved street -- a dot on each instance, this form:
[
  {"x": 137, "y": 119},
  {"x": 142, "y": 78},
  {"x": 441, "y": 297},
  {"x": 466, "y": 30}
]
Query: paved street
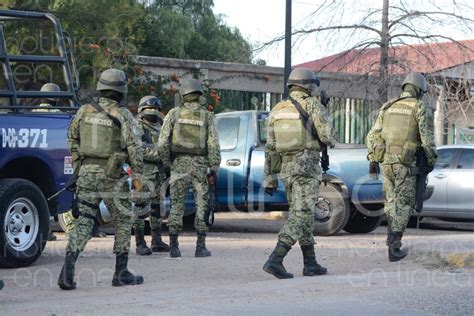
[{"x": 436, "y": 278}]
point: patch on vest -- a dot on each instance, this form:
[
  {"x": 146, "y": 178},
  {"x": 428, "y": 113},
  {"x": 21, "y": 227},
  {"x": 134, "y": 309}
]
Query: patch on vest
[
  {"x": 99, "y": 121},
  {"x": 190, "y": 122},
  {"x": 399, "y": 111},
  {"x": 287, "y": 116}
]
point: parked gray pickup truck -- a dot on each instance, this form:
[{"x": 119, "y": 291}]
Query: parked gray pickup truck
[{"x": 350, "y": 200}]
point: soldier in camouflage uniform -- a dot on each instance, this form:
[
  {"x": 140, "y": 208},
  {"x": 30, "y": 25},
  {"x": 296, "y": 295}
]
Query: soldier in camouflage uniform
[
  {"x": 403, "y": 125},
  {"x": 189, "y": 136},
  {"x": 290, "y": 143},
  {"x": 101, "y": 138},
  {"x": 150, "y": 120}
]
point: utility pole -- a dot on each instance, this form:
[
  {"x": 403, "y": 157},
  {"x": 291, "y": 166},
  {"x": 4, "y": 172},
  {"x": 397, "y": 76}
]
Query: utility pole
[
  {"x": 287, "y": 47},
  {"x": 383, "y": 71}
]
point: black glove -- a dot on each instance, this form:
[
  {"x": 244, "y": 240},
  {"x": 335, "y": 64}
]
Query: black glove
[
  {"x": 270, "y": 191},
  {"x": 374, "y": 170}
]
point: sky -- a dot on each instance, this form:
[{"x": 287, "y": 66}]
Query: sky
[{"x": 263, "y": 20}]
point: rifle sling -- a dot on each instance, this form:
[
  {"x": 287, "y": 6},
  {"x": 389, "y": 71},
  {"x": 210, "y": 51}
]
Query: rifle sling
[
  {"x": 113, "y": 118},
  {"x": 306, "y": 119}
]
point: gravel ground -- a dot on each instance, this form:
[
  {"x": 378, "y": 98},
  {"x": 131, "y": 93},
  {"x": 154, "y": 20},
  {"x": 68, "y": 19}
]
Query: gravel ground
[{"x": 231, "y": 282}]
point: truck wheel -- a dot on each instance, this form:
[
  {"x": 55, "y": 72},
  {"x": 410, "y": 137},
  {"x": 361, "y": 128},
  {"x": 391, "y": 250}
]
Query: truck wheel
[
  {"x": 24, "y": 222},
  {"x": 362, "y": 224},
  {"x": 332, "y": 211}
]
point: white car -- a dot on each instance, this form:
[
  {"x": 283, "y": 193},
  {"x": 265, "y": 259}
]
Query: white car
[{"x": 451, "y": 184}]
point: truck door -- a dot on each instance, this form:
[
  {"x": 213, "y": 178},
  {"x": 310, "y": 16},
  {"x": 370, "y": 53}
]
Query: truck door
[{"x": 232, "y": 131}]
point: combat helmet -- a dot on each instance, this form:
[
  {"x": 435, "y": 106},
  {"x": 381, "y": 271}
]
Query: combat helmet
[
  {"x": 149, "y": 101},
  {"x": 188, "y": 86},
  {"x": 113, "y": 79},
  {"x": 50, "y": 87},
  {"x": 304, "y": 78},
  {"x": 416, "y": 79}
]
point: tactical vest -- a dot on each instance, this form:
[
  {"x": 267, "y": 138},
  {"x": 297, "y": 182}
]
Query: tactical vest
[
  {"x": 100, "y": 136},
  {"x": 400, "y": 130},
  {"x": 290, "y": 133},
  {"x": 151, "y": 137},
  {"x": 190, "y": 132}
]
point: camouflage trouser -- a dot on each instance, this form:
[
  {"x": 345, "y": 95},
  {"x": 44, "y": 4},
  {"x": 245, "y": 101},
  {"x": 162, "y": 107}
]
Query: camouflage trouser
[
  {"x": 301, "y": 193},
  {"x": 182, "y": 176},
  {"x": 155, "y": 225},
  {"x": 400, "y": 193},
  {"x": 92, "y": 187},
  {"x": 153, "y": 198}
]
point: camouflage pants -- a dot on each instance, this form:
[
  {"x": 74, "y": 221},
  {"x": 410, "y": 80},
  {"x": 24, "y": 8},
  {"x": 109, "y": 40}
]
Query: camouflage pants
[
  {"x": 301, "y": 193},
  {"x": 155, "y": 225},
  {"x": 92, "y": 187},
  {"x": 152, "y": 198},
  {"x": 183, "y": 176},
  {"x": 399, "y": 189}
]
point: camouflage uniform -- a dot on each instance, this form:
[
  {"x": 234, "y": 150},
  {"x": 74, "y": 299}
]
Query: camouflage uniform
[
  {"x": 292, "y": 154},
  {"x": 189, "y": 136},
  {"x": 153, "y": 178},
  {"x": 93, "y": 184},
  {"x": 402, "y": 127},
  {"x": 189, "y": 170},
  {"x": 399, "y": 185},
  {"x": 300, "y": 172}
]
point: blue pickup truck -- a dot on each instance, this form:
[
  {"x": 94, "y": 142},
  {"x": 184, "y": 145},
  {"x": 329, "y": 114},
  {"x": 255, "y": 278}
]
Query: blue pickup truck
[{"x": 34, "y": 160}]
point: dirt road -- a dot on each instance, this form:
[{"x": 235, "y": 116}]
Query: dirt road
[{"x": 360, "y": 279}]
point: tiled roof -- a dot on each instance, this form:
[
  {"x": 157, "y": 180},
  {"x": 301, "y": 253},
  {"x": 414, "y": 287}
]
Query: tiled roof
[{"x": 426, "y": 58}]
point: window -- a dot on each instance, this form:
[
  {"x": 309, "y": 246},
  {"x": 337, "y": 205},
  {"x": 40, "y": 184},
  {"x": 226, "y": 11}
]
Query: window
[
  {"x": 262, "y": 127},
  {"x": 445, "y": 157},
  {"x": 466, "y": 161},
  {"x": 228, "y": 131}
]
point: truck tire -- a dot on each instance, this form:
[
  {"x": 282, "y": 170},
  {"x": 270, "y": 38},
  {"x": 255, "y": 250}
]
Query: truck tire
[
  {"x": 362, "y": 224},
  {"x": 24, "y": 222},
  {"x": 332, "y": 210}
]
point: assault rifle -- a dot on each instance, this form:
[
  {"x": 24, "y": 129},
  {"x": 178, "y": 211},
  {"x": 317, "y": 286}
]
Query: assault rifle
[
  {"x": 212, "y": 203},
  {"x": 324, "y": 148},
  {"x": 421, "y": 182}
]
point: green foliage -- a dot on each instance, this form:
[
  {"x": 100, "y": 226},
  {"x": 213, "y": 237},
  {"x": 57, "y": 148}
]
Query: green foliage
[{"x": 107, "y": 32}]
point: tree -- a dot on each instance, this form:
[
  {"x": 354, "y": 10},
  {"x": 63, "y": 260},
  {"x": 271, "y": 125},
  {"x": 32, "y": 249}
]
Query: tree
[
  {"x": 387, "y": 26},
  {"x": 399, "y": 22}
]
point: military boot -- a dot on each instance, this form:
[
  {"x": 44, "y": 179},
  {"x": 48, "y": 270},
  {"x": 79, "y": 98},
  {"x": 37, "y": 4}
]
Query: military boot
[
  {"x": 174, "y": 250},
  {"x": 201, "y": 250},
  {"x": 311, "y": 267},
  {"x": 142, "y": 248},
  {"x": 394, "y": 251},
  {"x": 274, "y": 264},
  {"x": 122, "y": 276},
  {"x": 157, "y": 244},
  {"x": 66, "y": 277}
]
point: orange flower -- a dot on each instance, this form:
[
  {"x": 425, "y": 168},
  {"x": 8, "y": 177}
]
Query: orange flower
[{"x": 95, "y": 46}]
